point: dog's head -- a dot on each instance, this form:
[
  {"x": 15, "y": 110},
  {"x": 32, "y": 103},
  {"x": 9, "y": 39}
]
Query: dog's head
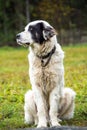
[{"x": 36, "y": 32}]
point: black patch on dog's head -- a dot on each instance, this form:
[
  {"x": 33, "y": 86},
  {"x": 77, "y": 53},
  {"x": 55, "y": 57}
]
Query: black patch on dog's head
[
  {"x": 40, "y": 32},
  {"x": 37, "y": 32}
]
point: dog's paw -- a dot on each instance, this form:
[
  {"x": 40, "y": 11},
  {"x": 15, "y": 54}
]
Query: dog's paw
[
  {"x": 56, "y": 122},
  {"x": 36, "y": 121},
  {"x": 42, "y": 125},
  {"x": 26, "y": 122},
  {"x": 59, "y": 120},
  {"x": 29, "y": 122}
]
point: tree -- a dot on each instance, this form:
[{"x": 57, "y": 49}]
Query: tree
[
  {"x": 27, "y": 11},
  {"x": 62, "y": 14}
]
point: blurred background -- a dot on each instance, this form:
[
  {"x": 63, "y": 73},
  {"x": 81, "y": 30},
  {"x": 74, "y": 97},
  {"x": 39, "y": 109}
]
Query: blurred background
[{"x": 68, "y": 17}]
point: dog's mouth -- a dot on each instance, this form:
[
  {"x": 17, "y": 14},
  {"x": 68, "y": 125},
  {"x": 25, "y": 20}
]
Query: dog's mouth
[
  {"x": 23, "y": 44},
  {"x": 27, "y": 43}
]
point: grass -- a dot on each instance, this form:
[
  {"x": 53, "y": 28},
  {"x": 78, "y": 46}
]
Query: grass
[{"x": 14, "y": 82}]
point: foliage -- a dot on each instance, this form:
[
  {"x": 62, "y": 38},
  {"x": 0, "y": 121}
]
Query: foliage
[
  {"x": 14, "y": 83},
  {"x": 62, "y": 14}
]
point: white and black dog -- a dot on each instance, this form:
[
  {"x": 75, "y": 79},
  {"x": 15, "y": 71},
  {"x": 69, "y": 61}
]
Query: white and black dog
[{"x": 48, "y": 101}]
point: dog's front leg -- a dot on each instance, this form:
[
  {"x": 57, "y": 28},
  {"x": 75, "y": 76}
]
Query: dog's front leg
[
  {"x": 41, "y": 107},
  {"x": 54, "y": 99}
]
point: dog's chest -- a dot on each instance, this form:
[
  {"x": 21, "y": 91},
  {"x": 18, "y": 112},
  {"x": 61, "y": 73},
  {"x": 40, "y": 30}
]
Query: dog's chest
[{"x": 44, "y": 77}]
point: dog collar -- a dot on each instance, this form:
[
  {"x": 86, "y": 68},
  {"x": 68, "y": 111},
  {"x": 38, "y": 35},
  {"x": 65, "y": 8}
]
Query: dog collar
[{"x": 47, "y": 56}]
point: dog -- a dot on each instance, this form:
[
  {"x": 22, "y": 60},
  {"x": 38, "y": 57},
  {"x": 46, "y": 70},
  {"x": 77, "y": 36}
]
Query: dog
[{"x": 49, "y": 101}]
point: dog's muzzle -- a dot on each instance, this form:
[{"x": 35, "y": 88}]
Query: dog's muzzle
[{"x": 18, "y": 39}]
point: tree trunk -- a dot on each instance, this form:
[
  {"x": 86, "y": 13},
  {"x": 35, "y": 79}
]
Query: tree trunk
[{"x": 27, "y": 11}]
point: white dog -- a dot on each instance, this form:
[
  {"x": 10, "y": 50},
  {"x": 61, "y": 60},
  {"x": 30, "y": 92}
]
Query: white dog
[{"x": 48, "y": 101}]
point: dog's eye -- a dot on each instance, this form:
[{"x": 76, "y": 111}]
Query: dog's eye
[{"x": 30, "y": 28}]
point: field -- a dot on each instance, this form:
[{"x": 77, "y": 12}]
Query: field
[{"x": 14, "y": 82}]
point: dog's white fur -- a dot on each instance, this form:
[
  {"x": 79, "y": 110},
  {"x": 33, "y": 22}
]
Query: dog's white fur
[
  {"x": 65, "y": 110},
  {"x": 51, "y": 102}
]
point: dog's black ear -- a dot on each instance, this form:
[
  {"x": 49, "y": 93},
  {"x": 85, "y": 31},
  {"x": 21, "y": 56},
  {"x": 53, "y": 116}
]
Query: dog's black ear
[{"x": 49, "y": 32}]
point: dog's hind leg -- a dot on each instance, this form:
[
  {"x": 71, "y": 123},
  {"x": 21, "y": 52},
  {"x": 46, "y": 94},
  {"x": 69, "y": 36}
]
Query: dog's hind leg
[
  {"x": 67, "y": 105},
  {"x": 30, "y": 108}
]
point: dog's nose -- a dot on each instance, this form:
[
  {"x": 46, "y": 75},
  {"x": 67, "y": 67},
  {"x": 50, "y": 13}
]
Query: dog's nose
[{"x": 18, "y": 36}]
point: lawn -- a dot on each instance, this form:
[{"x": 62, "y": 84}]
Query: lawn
[{"x": 14, "y": 82}]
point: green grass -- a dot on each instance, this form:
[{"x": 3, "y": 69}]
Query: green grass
[{"x": 14, "y": 82}]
